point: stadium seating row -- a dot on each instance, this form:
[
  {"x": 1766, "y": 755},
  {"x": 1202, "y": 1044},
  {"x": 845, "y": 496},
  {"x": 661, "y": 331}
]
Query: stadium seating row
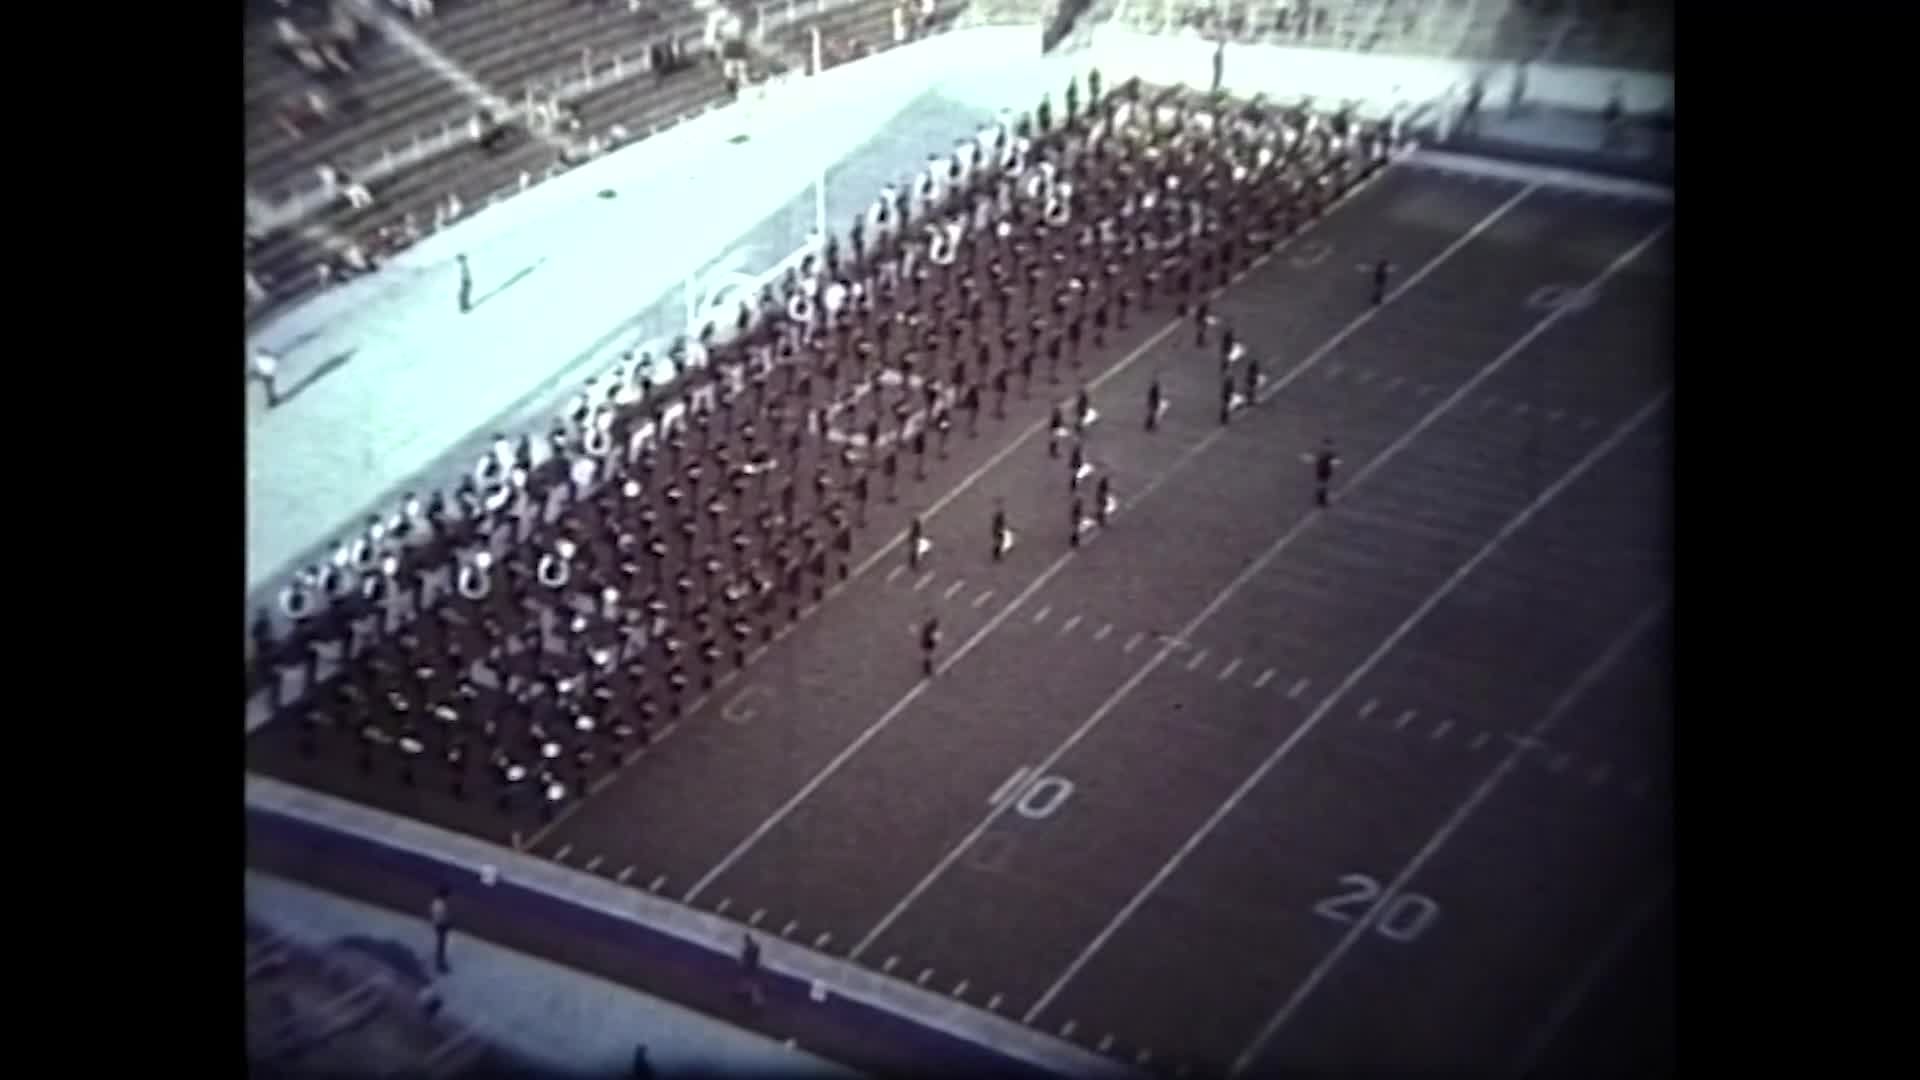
[
  {"x": 342, "y": 1012},
  {"x": 1628, "y": 34},
  {"x": 437, "y": 117}
]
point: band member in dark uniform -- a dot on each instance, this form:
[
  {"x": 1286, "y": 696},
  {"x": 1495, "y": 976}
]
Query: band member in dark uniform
[{"x": 1324, "y": 462}]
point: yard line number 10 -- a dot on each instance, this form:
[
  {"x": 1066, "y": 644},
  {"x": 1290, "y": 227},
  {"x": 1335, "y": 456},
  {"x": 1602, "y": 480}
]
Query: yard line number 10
[{"x": 1403, "y": 917}]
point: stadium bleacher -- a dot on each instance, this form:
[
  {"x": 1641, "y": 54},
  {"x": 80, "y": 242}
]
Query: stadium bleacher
[
  {"x": 1627, "y": 34},
  {"x": 400, "y": 121},
  {"x": 344, "y": 1011}
]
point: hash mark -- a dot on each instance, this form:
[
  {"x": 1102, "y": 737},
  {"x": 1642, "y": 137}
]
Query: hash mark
[
  {"x": 1265, "y": 678},
  {"x": 1559, "y": 763},
  {"x": 1367, "y": 709},
  {"x": 895, "y": 573},
  {"x": 961, "y": 990},
  {"x": 1197, "y": 658},
  {"x": 594, "y": 863},
  {"x": 725, "y": 903},
  {"x": 787, "y": 930},
  {"x": 821, "y": 941},
  {"x": 1441, "y": 731},
  {"x": 1133, "y": 641},
  {"x": 1066, "y": 1029},
  {"x": 1101, "y": 633},
  {"x": 758, "y": 914},
  {"x": 1227, "y": 672},
  {"x": 1041, "y": 615},
  {"x": 953, "y": 588},
  {"x": 1480, "y": 740},
  {"x": 1067, "y": 627},
  {"x": 983, "y": 598},
  {"x": 625, "y": 874},
  {"x": 993, "y": 1003},
  {"x": 892, "y": 962},
  {"x": 1106, "y": 1043},
  {"x": 1300, "y": 687},
  {"x": 922, "y": 583},
  {"x": 561, "y": 855},
  {"x": 924, "y": 976},
  {"x": 654, "y": 885}
]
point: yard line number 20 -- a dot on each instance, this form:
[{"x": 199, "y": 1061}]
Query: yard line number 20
[{"x": 1403, "y": 919}]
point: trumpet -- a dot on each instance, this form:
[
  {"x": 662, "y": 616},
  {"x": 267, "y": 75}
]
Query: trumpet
[
  {"x": 556, "y": 567},
  {"x": 335, "y": 583},
  {"x": 296, "y": 600},
  {"x": 377, "y": 587},
  {"x": 1014, "y": 159},
  {"x": 581, "y": 472},
  {"x": 944, "y": 243},
  {"x": 598, "y": 441},
  {"x": 1059, "y": 209},
  {"x": 489, "y": 470},
  {"x": 365, "y": 555},
  {"x": 475, "y": 580}
]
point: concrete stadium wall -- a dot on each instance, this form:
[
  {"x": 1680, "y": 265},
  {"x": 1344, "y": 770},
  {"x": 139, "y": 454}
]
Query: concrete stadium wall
[{"x": 1283, "y": 73}]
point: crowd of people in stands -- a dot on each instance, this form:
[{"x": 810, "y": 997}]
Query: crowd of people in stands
[{"x": 511, "y": 640}]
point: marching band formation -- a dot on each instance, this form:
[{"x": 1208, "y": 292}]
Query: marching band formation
[{"x": 518, "y": 637}]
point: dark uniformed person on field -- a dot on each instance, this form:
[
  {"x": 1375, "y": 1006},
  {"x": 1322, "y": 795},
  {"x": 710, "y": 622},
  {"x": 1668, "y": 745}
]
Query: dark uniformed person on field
[
  {"x": 1324, "y": 462},
  {"x": 929, "y": 641},
  {"x": 1380, "y": 271}
]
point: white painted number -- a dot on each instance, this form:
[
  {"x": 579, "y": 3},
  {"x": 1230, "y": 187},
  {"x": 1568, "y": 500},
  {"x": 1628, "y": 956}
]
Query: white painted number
[
  {"x": 1403, "y": 918},
  {"x": 1044, "y": 797},
  {"x": 1407, "y": 917},
  {"x": 1365, "y": 891}
]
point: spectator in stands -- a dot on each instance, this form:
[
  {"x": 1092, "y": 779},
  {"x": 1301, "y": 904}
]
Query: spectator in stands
[
  {"x": 355, "y": 259},
  {"x": 297, "y": 46},
  {"x": 256, "y": 292},
  {"x": 302, "y": 114},
  {"x": 329, "y": 177},
  {"x": 448, "y": 211},
  {"x": 642, "y": 1068}
]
